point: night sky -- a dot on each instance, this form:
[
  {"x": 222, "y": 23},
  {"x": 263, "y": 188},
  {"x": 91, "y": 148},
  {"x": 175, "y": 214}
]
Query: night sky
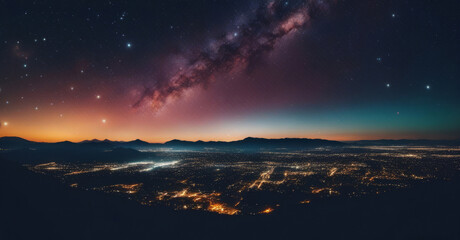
[{"x": 225, "y": 70}]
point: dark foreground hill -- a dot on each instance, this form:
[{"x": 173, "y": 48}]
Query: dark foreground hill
[{"x": 35, "y": 206}]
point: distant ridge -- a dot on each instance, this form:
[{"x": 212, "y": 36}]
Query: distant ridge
[
  {"x": 250, "y": 143},
  {"x": 14, "y": 140},
  {"x": 407, "y": 142},
  {"x": 247, "y": 143}
]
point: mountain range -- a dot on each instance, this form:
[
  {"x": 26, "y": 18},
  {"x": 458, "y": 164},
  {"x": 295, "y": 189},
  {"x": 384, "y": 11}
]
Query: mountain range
[{"x": 247, "y": 143}]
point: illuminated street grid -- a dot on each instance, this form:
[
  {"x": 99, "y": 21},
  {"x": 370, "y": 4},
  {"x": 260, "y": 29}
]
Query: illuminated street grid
[{"x": 260, "y": 183}]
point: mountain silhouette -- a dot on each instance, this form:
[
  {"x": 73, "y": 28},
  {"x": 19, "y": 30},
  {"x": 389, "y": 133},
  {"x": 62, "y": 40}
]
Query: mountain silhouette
[
  {"x": 407, "y": 142},
  {"x": 257, "y": 143},
  {"x": 249, "y": 143}
]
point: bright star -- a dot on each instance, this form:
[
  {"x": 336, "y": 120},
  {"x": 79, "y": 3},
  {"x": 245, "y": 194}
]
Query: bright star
[
  {"x": 128, "y": 45},
  {"x": 5, "y": 123},
  {"x": 71, "y": 88},
  {"x": 25, "y": 65},
  {"x": 393, "y": 15},
  {"x": 98, "y": 96},
  {"x": 36, "y": 108},
  {"x": 388, "y": 85},
  {"x": 428, "y": 87},
  {"x": 104, "y": 121}
]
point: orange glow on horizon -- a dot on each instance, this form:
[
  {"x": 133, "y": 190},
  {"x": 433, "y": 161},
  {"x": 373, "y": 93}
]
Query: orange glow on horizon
[
  {"x": 77, "y": 123},
  {"x": 67, "y": 133},
  {"x": 56, "y": 136}
]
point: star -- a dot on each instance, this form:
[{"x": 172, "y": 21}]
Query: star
[
  {"x": 36, "y": 108},
  {"x": 388, "y": 85},
  {"x": 428, "y": 87},
  {"x": 71, "y": 88},
  {"x": 393, "y": 15},
  {"x": 25, "y": 65},
  {"x": 5, "y": 123},
  {"x": 98, "y": 96},
  {"x": 128, "y": 45},
  {"x": 104, "y": 120}
]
